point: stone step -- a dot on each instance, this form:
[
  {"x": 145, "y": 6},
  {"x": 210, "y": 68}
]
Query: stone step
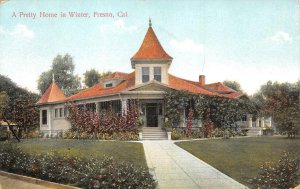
[
  {"x": 254, "y": 131},
  {"x": 155, "y": 134},
  {"x": 153, "y": 129},
  {"x": 151, "y": 132},
  {"x": 155, "y": 137}
]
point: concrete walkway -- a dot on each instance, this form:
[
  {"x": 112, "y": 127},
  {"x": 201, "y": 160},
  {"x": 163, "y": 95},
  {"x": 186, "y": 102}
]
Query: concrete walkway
[
  {"x": 174, "y": 167},
  {"x": 10, "y": 183}
]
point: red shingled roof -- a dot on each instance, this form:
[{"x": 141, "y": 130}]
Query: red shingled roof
[
  {"x": 219, "y": 88},
  {"x": 190, "y": 86},
  {"x": 52, "y": 94},
  {"x": 99, "y": 90},
  {"x": 233, "y": 95},
  {"x": 151, "y": 48},
  {"x": 117, "y": 75}
]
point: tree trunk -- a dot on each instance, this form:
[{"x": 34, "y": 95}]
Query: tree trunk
[{"x": 12, "y": 130}]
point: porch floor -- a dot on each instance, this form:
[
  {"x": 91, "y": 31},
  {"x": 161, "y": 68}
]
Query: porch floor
[{"x": 174, "y": 167}]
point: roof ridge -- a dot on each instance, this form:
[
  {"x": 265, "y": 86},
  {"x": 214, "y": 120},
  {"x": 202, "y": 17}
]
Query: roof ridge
[{"x": 194, "y": 85}]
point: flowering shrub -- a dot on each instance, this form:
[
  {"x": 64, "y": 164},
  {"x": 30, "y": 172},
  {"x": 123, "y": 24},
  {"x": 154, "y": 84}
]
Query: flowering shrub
[
  {"x": 100, "y": 136},
  {"x": 75, "y": 171},
  {"x": 283, "y": 174},
  {"x": 32, "y": 134},
  {"x": 125, "y": 136},
  {"x": 180, "y": 134},
  {"x": 188, "y": 130},
  {"x": 107, "y": 123},
  {"x": 208, "y": 125}
]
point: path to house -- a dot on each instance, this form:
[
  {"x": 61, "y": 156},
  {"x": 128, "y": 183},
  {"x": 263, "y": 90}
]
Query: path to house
[
  {"x": 174, "y": 167},
  {"x": 9, "y": 183}
]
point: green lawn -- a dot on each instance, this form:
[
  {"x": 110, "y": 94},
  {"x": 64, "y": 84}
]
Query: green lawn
[
  {"x": 240, "y": 158},
  {"x": 132, "y": 152}
]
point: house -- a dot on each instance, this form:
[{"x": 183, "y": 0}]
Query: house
[{"x": 147, "y": 83}]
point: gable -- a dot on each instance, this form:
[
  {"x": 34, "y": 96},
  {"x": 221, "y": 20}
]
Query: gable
[{"x": 150, "y": 87}]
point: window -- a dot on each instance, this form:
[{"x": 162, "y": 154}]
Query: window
[
  {"x": 66, "y": 111},
  {"x": 157, "y": 73},
  {"x": 145, "y": 74},
  {"x": 58, "y": 112},
  {"x": 90, "y": 107},
  {"x": 108, "y": 85},
  {"x": 244, "y": 118},
  {"x": 44, "y": 117},
  {"x": 115, "y": 106}
]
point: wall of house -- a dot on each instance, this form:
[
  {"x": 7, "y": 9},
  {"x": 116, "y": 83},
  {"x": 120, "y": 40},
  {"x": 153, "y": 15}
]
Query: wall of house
[
  {"x": 54, "y": 124},
  {"x": 164, "y": 72},
  {"x": 60, "y": 123}
]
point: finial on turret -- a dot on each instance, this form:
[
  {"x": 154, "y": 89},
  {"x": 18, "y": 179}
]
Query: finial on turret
[
  {"x": 150, "y": 24},
  {"x": 53, "y": 80}
]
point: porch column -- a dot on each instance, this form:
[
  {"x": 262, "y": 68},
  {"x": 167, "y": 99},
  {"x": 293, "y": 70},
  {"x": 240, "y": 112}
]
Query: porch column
[
  {"x": 262, "y": 122},
  {"x": 257, "y": 122},
  {"x": 97, "y": 107},
  {"x": 182, "y": 119},
  {"x": 249, "y": 120},
  {"x": 124, "y": 106},
  {"x": 49, "y": 121}
]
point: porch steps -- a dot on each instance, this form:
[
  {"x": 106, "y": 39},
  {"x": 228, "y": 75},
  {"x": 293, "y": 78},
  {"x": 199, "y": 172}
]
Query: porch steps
[
  {"x": 154, "y": 133},
  {"x": 254, "y": 131}
]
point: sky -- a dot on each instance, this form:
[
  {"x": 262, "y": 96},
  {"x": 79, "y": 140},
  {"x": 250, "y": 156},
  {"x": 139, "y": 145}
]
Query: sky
[{"x": 251, "y": 42}]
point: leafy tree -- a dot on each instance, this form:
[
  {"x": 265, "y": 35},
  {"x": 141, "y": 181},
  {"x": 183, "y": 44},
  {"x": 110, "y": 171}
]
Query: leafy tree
[
  {"x": 91, "y": 77},
  {"x": 281, "y": 101},
  {"x": 233, "y": 84},
  {"x": 63, "y": 70},
  {"x": 17, "y": 105}
]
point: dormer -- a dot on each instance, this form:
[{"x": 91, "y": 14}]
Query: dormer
[
  {"x": 114, "y": 79},
  {"x": 151, "y": 62}
]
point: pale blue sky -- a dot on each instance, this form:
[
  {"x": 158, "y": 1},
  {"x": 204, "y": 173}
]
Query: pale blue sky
[{"x": 247, "y": 41}]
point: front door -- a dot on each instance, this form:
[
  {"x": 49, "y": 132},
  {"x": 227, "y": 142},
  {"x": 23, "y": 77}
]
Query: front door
[{"x": 151, "y": 115}]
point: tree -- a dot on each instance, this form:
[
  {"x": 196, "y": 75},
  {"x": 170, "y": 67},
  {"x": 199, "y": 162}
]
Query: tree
[
  {"x": 63, "y": 70},
  {"x": 17, "y": 106},
  {"x": 91, "y": 77},
  {"x": 3, "y": 103},
  {"x": 281, "y": 101},
  {"x": 233, "y": 84}
]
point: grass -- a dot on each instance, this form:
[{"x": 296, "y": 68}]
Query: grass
[
  {"x": 240, "y": 158},
  {"x": 131, "y": 152}
]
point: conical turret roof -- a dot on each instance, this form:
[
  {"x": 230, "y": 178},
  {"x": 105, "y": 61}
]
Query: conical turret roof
[
  {"x": 52, "y": 94},
  {"x": 151, "y": 47}
]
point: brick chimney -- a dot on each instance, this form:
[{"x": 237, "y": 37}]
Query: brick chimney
[{"x": 202, "y": 80}]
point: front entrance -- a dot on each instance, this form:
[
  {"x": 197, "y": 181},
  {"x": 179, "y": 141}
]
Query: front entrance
[{"x": 151, "y": 115}]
